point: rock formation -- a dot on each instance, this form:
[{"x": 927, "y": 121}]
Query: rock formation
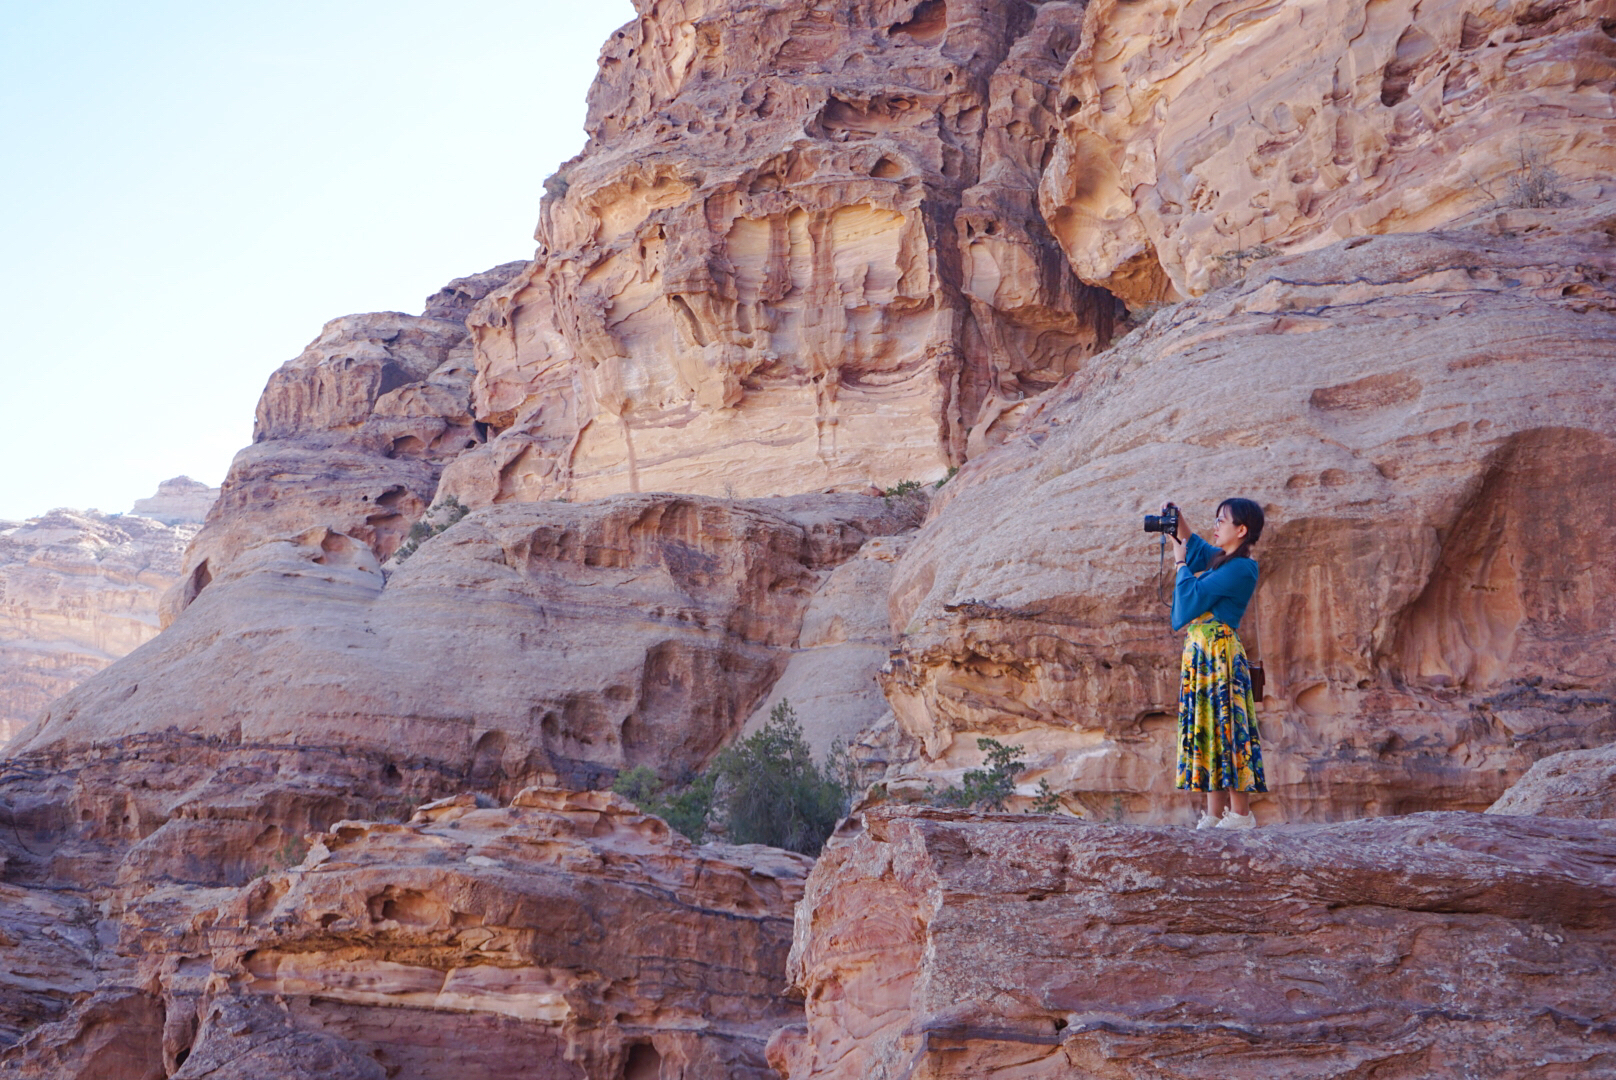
[
  {"x": 344, "y": 817},
  {"x": 801, "y": 251},
  {"x": 180, "y": 501},
  {"x": 1200, "y": 138},
  {"x": 1437, "y": 607},
  {"x": 350, "y": 435},
  {"x": 78, "y": 589},
  {"x": 946, "y": 945},
  {"x": 1573, "y": 783},
  {"x": 564, "y": 935},
  {"x": 529, "y": 641}
]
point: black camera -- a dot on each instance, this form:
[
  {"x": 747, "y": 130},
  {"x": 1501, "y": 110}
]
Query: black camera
[{"x": 1167, "y": 522}]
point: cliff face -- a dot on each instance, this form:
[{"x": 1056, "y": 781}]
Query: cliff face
[
  {"x": 343, "y": 818},
  {"x": 1436, "y": 606},
  {"x": 79, "y": 589},
  {"x": 801, "y": 251}
]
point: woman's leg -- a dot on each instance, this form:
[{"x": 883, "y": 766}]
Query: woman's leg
[
  {"x": 1216, "y": 801},
  {"x": 1241, "y": 801}
]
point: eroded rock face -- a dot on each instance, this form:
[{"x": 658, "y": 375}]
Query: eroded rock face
[
  {"x": 529, "y": 640},
  {"x": 351, "y": 435},
  {"x": 950, "y": 945},
  {"x": 801, "y": 252},
  {"x": 563, "y": 935},
  {"x": 1198, "y": 138},
  {"x": 1575, "y": 783},
  {"x": 78, "y": 589},
  {"x": 1425, "y": 419},
  {"x": 180, "y": 501}
]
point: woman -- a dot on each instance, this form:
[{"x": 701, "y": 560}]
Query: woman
[{"x": 1218, "y": 749}]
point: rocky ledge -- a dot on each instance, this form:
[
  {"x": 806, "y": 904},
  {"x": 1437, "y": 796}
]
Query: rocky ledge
[{"x": 944, "y": 944}]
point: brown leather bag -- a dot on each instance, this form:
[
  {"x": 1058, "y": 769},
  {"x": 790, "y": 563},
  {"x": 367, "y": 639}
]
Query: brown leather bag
[{"x": 1257, "y": 677}]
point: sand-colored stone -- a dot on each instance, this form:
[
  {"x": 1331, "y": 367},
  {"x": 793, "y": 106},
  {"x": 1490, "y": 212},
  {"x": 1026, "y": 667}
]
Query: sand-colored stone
[
  {"x": 529, "y": 640},
  {"x": 1427, "y": 420},
  {"x": 78, "y": 589},
  {"x": 1198, "y": 137},
  {"x": 1575, "y": 783},
  {"x": 801, "y": 251},
  {"x": 943, "y": 944},
  {"x": 350, "y": 435},
  {"x": 180, "y": 501}
]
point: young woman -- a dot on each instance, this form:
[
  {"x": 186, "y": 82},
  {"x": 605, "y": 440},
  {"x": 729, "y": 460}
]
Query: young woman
[{"x": 1218, "y": 749}]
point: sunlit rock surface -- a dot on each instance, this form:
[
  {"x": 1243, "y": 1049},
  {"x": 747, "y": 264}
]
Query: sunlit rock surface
[
  {"x": 1199, "y": 138},
  {"x": 350, "y": 435},
  {"x": 802, "y": 250},
  {"x": 1425, "y": 418},
  {"x": 946, "y": 944}
]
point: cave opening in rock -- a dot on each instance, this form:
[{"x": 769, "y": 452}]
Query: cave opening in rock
[{"x": 644, "y": 1063}]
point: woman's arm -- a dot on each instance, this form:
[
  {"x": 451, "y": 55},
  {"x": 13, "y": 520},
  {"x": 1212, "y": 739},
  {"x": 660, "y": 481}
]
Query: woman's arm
[{"x": 1194, "y": 596}]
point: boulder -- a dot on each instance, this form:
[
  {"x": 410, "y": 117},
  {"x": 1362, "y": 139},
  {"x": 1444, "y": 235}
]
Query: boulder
[
  {"x": 948, "y": 944},
  {"x": 1570, "y": 784}
]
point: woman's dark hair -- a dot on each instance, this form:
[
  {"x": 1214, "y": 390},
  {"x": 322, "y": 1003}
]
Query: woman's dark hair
[{"x": 1241, "y": 512}]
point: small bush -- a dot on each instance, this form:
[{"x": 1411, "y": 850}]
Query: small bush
[
  {"x": 684, "y": 807},
  {"x": 983, "y": 789},
  {"x": 901, "y": 488},
  {"x": 952, "y": 470},
  {"x": 1538, "y": 184},
  {"x": 1046, "y": 801},
  {"x": 434, "y": 521},
  {"x": 766, "y": 788}
]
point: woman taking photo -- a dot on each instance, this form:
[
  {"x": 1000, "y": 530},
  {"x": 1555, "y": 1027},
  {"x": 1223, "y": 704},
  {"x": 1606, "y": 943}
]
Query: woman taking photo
[{"x": 1218, "y": 749}]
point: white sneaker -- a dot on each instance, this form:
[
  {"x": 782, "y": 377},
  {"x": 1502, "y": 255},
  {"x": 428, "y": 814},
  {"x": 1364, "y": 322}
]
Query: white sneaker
[
  {"x": 1232, "y": 820},
  {"x": 1207, "y": 821}
]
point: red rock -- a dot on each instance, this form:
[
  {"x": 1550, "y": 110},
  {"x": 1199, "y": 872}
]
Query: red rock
[{"x": 947, "y": 944}]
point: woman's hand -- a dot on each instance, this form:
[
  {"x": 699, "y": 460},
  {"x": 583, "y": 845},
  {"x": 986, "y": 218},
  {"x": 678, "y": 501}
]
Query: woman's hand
[{"x": 1181, "y": 550}]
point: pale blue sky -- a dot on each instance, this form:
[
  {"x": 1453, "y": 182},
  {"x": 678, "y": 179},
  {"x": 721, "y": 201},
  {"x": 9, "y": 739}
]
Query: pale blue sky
[{"x": 190, "y": 189}]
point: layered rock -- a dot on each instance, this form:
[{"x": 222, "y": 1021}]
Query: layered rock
[
  {"x": 78, "y": 589},
  {"x": 564, "y": 935},
  {"x": 800, "y": 252},
  {"x": 529, "y": 640},
  {"x": 352, "y": 434},
  {"x": 950, "y": 945},
  {"x": 1574, "y": 783},
  {"x": 180, "y": 501},
  {"x": 1198, "y": 138},
  {"x": 1425, "y": 419}
]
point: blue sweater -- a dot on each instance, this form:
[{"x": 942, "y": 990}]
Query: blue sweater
[{"x": 1224, "y": 592}]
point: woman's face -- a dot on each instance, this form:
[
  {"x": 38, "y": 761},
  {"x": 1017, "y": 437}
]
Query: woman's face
[{"x": 1225, "y": 533}]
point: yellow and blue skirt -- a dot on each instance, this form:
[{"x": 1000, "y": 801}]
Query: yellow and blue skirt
[{"x": 1218, "y": 747}]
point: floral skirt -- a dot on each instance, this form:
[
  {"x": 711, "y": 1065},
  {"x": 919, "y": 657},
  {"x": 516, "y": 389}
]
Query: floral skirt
[{"x": 1218, "y": 747}]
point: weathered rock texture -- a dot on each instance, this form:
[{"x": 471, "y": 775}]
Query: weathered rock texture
[
  {"x": 1426, "y": 419},
  {"x": 565, "y": 935},
  {"x": 1575, "y": 783},
  {"x": 801, "y": 251},
  {"x": 528, "y": 641},
  {"x": 180, "y": 501},
  {"x": 1198, "y": 136},
  {"x": 948, "y": 945},
  {"x": 351, "y": 435},
  {"x": 78, "y": 589}
]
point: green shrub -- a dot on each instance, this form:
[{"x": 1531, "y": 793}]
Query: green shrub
[
  {"x": 771, "y": 792},
  {"x": 983, "y": 789},
  {"x": 901, "y": 488},
  {"x": 952, "y": 469},
  {"x": 684, "y": 807},
  {"x": 434, "y": 521},
  {"x": 766, "y": 789}
]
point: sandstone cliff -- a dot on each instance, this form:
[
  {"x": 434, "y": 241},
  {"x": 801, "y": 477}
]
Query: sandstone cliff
[
  {"x": 1355, "y": 260},
  {"x": 801, "y": 251},
  {"x": 78, "y": 589}
]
